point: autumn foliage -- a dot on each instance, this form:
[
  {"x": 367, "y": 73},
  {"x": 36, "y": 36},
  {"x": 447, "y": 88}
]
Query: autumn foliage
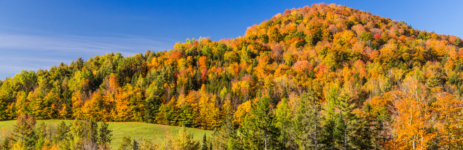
[{"x": 372, "y": 83}]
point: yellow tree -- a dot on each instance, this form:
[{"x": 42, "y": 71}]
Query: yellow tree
[
  {"x": 447, "y": 111},
  {"x": 63, "y": 113},
  {"x": 412, "y": 116},
  {"x": 184, "y": 140},
  {"x": 243, "y": 110},
  {"x": 22, "y": 103},
  {"x": 119, "y": 98},
  {"x": 181, "y": 101},
  {"x": 77, "y": 104},
  {"x": 94, "y": 107},
  {"x": 215, "y": 114},
  {"x": 192, "y": 100},
  {"x": 208, "y": 114}
]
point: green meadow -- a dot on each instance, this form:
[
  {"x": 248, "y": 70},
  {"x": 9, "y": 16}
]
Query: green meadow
[{"x": 136, "y": 130}]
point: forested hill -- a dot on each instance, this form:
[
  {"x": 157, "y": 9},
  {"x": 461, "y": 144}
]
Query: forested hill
[{"x": 366, "y": 81}]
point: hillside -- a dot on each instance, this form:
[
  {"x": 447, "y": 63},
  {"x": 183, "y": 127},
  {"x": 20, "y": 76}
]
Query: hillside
[{"x": 365, "y": 81}]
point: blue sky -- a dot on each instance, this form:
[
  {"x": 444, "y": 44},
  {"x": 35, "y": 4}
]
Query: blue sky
[{"x": 40, "y": 34}]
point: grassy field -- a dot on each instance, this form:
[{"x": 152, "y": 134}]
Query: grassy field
[{"x": 136, "y": 130}]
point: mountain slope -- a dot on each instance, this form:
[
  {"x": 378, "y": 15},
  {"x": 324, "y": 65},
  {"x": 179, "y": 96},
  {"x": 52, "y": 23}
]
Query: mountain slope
[{"x": 376, "y": 70}]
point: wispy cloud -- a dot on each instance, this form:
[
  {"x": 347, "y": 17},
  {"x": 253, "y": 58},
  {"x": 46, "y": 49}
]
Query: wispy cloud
[
  {"x": 33, "y": 52},
  {"x": 81, "y": 44}
]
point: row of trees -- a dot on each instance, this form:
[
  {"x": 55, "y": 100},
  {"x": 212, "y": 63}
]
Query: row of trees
[
  {"x": 357, "y": 68},
  {"x": 411, "y": 116},
  {"x": 79, "y": 135},
  {"x": 84, "y": 135}
]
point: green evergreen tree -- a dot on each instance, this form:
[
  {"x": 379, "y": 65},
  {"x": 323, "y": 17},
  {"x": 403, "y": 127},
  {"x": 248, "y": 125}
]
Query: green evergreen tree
[
  {"x": 186, "y": 116},
  {"x": 362, "y": 136},
  {"x": 249, "y": 137},
  {"x": 62, "y": 135},
  {"x": 227, "y": 131},
  {"x": 433, "y": 82},
  {"x": 41, "y": 134},
  {"x": 135, "y": 145},
  {"x": 259, "y": 130},
  {"x": 307, "y": 126},
  {"x": 191, "y": 85},
  {"x": 24, "y": 130},
  {"x": 340, "y": 130},
  {"x": 152, "y": 105},
  {"x": 344, "y": 120},
  {"x": 184, "y": 140},
  {"x": 3, "y": 104},
  {"x": 328, "y": 129},
  {"x": 329, "y": 122},
  {"x": 381, "y": 130},
  {"x": 77, "y": 134},
  {"x": 91, "y": 132},
  {"x": 204, "y": 146},
  {"x": 283, "y": 123},
  {"x": 197, "y": 79},
  {"x": 105, "y": 135}
]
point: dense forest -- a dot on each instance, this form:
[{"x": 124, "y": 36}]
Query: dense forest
[{"x": 317, "y": 77}]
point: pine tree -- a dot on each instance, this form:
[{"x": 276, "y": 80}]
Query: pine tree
[
  {"x": 204, "y": 146},
  {"x": 329, "y": 122},
  {"x": 249, "y": 136},
  {"x": 62, "y": 135},
  {"x": 167, "y": 114},
  {"x": 153, "y": 101},
  {"x": 191, "y": 85},
  {"x": 432, "y": 82},
  {"x": 105, "y": 135},
  {"x": 24, "y": 130},
  {"x": 340, "y": 130},
  {"x": 91, "y": 133},
  {"x": 77, "y": 133},
  {"x": 41, "y": 136},
  {"x": 227, "y": 132},
  {"x": 135, "y": 145},
  {"x": 328, "y": 130},
  {"x": 184, "y": 140},
  {"x": 151, "y": 109},
  {"x": 362, "y": 134},
  {"x": 343, "y": 120},
  {"x": 3, "y": 107},
  {"x": 307, "y": 124},
  {"x": 186, "y": 116},
  {"x": 259, "y": 128},
  {"x": 283, "y": 122}
]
